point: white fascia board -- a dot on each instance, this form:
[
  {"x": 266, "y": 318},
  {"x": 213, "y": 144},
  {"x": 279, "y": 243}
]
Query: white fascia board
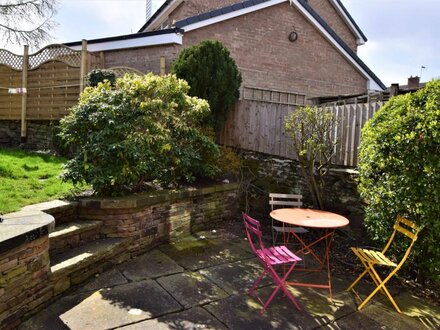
[
  {"x": 163, "y": 16},
  {"x": 359, "y": 38},
  {"x": 161, "y": 39},
  {"x": 371, "y": 83},
  {"x": 230, "y": 15}
]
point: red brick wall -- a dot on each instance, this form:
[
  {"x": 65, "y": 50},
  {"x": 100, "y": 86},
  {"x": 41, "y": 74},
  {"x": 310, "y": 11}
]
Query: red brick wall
[
  {"x": 194, "y": 7},
  {"x": 264, "y": 55},
  {"x": 143, "y": 59},
  {"x": 326, "y": 10},
  {"x": 267, "y": 59}
]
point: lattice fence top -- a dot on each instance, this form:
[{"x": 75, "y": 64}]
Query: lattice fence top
[
  {"x": 49, "y": 53},
  {"x": 120, "y": 71},
  {"x": 55, "y": 53},
  {"x": 10, "y": 59}
]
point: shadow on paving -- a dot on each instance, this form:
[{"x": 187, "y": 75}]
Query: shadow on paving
[{"x": 201, "y": 281}]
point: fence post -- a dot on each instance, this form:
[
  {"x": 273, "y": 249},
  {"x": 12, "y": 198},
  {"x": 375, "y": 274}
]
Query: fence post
[
  {"x": 162, "y": 66},
  {"x": 24, "y": 93},
  {"x": 83, "y": 70}
]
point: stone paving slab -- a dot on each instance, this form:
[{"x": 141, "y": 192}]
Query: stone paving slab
[
  {"x": 191, "y": 288},
  {"x": 150, "y": 265},
  {"x": 108, "y": 279},
  {"x": 243, "y": 312},
  {"x": 236, "y": 277},
  {"x": 389, "y": 317},
  {"x": 415, "y": 307},
  {"x": 193, "y": 254},
  {"x": 49, "y": 317},
  {"x": 119, "y": 306},
  {"x": 194, "y": 318}
]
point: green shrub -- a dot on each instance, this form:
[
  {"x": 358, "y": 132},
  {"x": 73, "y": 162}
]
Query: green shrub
[
  {"x": 399, "y": 169},
  {"x": 310, "y": 129},
  {"x": 96, "y": 76},
  {"x": 145, "y": 129},
  {"x": 213, "y": 75}
]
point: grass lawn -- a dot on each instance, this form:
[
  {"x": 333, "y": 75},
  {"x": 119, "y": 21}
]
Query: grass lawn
[{"x": 28, "y": 178}]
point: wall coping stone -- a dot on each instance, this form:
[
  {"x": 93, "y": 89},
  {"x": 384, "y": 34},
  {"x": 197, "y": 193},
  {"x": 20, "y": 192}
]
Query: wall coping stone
[
  {"x": 344, "y": 170},
  {"x": 152, "y": 198},
  {"x": 22, "y": 227},
  {"x": 52, "y": 206}
]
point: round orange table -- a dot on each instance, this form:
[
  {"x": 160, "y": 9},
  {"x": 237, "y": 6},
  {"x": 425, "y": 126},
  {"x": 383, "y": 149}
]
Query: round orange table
[
  {"x": 309, "y": 218},
  {"x": 317, "y": 219}
]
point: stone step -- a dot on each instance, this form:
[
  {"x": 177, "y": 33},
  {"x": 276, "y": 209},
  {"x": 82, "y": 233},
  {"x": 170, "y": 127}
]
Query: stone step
[
  {"x": 76, "y": 265},
  {"x": 61, "y": 210},
  {"x": 72, "y": 234}
]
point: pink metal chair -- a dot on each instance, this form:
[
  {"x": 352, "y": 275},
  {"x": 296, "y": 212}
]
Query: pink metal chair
[{"x": 273, "y": 256}]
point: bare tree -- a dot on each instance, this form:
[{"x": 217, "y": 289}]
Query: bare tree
[{"x": 26, "y": 21}]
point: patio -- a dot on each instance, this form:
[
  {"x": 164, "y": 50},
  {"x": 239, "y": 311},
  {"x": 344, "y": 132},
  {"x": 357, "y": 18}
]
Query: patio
[{"x": 201, "y": 282}]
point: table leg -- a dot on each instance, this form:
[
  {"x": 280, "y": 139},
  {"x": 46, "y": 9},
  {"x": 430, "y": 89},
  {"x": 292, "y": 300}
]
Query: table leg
[{"x": 328, "y": 236}]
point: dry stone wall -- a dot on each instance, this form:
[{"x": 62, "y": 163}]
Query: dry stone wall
[{"x": 267, "y": 173}]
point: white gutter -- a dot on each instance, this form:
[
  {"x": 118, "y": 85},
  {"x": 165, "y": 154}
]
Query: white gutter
[{"x": 160, "y": 39}]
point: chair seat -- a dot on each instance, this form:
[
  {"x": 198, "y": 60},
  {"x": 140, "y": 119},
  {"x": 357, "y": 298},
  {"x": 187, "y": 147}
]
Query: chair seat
[
  {"x": 278, "y": 255},
  {"x": 286, "y": 229},
  {"x": 373, "y": 257}
]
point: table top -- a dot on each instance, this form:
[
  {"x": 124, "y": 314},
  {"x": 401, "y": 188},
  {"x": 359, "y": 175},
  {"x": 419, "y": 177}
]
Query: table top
[{"x": 309, "y": 218}]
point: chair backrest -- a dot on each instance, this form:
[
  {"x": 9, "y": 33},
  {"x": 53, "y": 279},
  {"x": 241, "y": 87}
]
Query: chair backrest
[
  {"x": 289, "y": 200},
  {"x": 253, "y": 232},
  {"x": 408, "y": 229}
]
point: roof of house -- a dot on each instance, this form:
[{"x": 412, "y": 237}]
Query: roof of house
[
  {"x": 249, "y": 3},
  {"x": 350, "y": 18},
  {"x": 336, "y": 3},
  {"x": 156, "y": 14}
]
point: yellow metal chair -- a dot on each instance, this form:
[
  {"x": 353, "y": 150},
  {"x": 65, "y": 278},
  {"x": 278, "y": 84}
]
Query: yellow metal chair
[{"x": 371, "y": 258}]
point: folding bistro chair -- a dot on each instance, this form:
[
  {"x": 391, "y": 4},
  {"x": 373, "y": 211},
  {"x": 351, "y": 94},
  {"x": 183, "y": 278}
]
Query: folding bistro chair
[
  {"x": 371, "y": 258},
  {"x": 273, "y": 256},
  {"x": 286, "y": 200}
]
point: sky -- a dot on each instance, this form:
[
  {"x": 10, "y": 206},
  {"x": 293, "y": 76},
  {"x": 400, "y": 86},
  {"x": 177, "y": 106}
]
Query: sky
[{"x": 403, "y": 35}]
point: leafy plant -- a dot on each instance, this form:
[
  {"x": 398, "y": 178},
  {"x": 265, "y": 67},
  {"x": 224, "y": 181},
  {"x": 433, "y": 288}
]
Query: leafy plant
[
  {"x": 310, "y": 130},
  {"x": 145, "y": 129},
  {"x": 96, "y": 76},
  {"x": 399, "y": 170},
  {"x": 213, "y": 75}
]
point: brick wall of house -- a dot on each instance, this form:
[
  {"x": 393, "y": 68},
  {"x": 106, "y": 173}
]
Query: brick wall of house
[
  {"x": 143, "y": 59},
  {"x": 322, "y": 7},
  {"x": 267, "y": 59},
  {"x": 194, "y": 7},
  {"x": 331, "y": 16},
  {"x": 264, "y": 55}
]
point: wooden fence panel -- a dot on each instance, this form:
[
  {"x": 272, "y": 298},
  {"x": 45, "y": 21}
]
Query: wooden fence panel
[
  {"x": 259, "y": 126},
  {"x": 53, "y": 88},
  {"x": 10, "y": 104}
]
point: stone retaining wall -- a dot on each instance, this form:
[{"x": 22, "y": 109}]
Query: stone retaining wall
[
  {"x": 26, "y": 281},
  {"x": 151, "y": 219},
  {"x": 268, "y": 173},
  {"x": 41, "y": 135},
  {"x": 24, "y": 266}
]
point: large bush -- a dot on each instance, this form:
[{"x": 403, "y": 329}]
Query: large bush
[
  {"x": 213, "y": 75},
  {"x": 145, "y": 129},
  {"x": 400, "y": 172}
]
